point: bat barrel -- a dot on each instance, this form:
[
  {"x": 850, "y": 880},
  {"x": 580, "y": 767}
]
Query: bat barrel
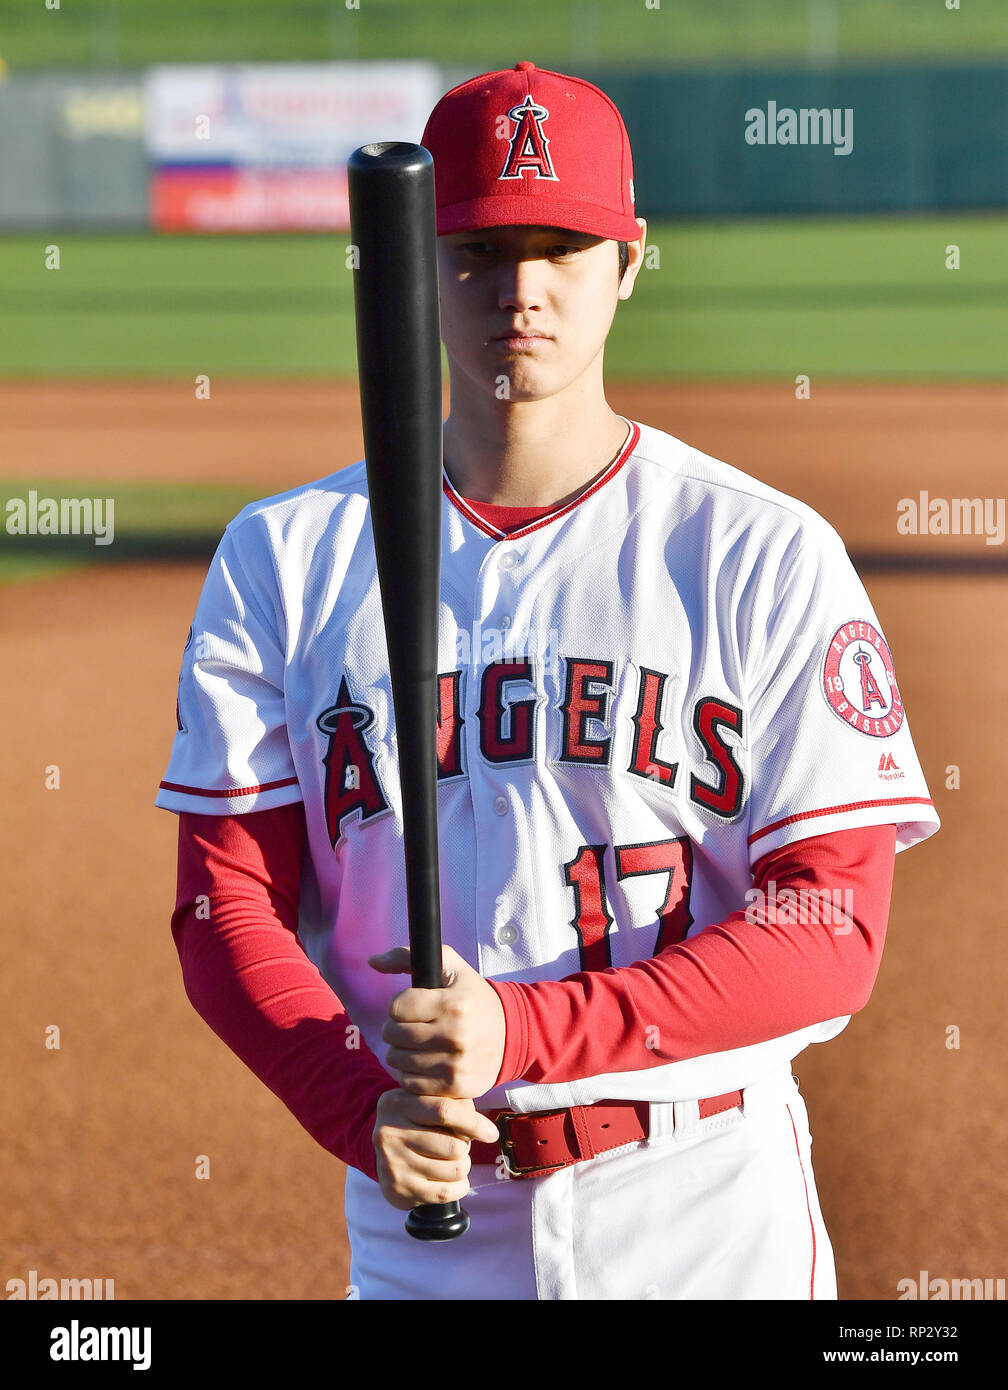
[
  {"x": 394, "y": 236},
  {"x": 392, "y": 219}
]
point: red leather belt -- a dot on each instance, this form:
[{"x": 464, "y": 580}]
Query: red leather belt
[{"x": 549, "y": 1140}]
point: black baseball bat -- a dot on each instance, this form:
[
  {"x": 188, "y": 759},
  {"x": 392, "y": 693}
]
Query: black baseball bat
[{"x": 392, "y": 228}]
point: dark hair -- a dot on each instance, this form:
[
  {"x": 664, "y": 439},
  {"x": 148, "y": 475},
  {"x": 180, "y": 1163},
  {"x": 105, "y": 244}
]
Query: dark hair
[{"x": 624, "y": 257}]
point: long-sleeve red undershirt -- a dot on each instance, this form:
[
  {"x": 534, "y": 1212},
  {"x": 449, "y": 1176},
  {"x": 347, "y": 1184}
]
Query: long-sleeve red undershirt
[
  {"x": 737, "y": 982},
  {"x": 247, "y": 975}
]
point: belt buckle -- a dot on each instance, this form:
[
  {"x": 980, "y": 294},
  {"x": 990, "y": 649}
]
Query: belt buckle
[{"x": 503, "y": 1122}]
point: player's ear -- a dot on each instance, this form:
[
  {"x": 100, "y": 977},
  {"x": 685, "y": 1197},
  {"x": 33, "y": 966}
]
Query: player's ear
[{"x": 636, "y": 260}]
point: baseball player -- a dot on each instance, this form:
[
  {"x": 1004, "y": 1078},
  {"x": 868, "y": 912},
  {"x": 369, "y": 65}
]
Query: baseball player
[{"x": 674, "y": 766}]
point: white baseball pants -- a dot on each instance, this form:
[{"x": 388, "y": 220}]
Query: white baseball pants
[{"x": 721, "y": 1208}]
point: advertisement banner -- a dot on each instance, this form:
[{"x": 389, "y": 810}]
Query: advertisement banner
[{"x": 263, "y": 147}]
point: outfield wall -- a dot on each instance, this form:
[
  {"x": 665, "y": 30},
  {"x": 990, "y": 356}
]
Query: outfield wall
[
  {"x": 921, "y": 138},
  {"x": 88, "y": 150},
  {"x": 72, "y": 151}
]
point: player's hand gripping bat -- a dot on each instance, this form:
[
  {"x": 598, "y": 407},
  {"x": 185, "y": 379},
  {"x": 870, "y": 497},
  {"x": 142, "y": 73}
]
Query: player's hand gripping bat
[{"x": 399, "y": 364}]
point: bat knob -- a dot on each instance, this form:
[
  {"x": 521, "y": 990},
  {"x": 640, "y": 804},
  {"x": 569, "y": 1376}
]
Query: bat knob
[{"x": 442, "y": 1222}]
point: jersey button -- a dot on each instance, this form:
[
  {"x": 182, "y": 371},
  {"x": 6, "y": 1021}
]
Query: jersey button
[
  {"x": 501, "y": 805},
  {"x": 508, "y": 560},
  {"x": 507, "y": 934}
]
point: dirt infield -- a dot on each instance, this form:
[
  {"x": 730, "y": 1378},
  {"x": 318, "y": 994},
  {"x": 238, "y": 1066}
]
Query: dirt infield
[{"x": 99, "y": 1163}]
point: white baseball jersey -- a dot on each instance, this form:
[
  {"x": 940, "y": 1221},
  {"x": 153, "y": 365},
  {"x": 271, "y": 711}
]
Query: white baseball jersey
[{"x": 640, "y": 694}]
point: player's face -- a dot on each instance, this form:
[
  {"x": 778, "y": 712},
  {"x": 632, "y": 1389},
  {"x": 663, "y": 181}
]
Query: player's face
[{"x": 525, "y": 311}]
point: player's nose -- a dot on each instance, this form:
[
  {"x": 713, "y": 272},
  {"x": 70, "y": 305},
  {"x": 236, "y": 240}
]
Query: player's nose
[{"x": 520, "y": 285}]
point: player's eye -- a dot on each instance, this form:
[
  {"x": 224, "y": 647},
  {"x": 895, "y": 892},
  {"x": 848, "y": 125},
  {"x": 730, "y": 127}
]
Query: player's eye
[{"x": 565, "y": 250}]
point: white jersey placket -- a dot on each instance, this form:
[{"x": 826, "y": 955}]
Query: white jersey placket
[{"x": 498, "y": 814}]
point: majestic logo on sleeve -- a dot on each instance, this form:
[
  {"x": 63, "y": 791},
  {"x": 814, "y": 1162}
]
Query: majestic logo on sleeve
[
  {"x": 351, "y": 781},
  {"x": 529, "y": 147},
  {"x": 860, "y": 683}
]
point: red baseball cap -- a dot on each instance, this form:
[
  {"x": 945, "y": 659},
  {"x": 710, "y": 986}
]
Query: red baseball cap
[{"x": 527, "y": 147}]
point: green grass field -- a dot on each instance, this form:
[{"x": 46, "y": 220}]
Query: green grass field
[
  {"x": 130, "y": 33},
  {"x": 855, "y": 298},
  {"x": 865, "y": 298}
]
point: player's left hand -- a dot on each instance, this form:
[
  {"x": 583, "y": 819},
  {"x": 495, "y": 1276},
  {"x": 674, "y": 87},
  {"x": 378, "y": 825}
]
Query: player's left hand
[{"x": 443, "y": 1042}]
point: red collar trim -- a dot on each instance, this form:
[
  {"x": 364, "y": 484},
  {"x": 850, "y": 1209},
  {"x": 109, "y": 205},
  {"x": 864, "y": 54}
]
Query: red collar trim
[{"x": 497, "y": 534}]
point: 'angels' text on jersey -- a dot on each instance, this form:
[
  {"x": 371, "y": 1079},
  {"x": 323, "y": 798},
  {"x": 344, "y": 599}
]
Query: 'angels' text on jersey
[{"x": 508, "y": 733}]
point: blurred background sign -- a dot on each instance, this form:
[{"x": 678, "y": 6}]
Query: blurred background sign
[{"x": 263, "y": 147}]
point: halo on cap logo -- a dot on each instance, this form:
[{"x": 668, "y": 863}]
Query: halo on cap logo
[
  {"x": 529, "y": 146},
  {"x": 859, "y": 681}
]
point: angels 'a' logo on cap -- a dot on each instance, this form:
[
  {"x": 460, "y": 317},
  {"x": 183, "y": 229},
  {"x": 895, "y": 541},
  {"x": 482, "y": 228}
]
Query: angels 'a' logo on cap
[
  {"x": 529, "y": 147},
  {"x": 859, "y": 680}
]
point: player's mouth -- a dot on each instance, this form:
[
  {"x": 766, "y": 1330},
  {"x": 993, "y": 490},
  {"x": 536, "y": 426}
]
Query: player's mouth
[{"x": 516, "y": 341}]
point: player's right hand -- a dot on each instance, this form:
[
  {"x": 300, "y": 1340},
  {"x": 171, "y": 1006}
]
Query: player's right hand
[{"x": 422, "y": 1147}]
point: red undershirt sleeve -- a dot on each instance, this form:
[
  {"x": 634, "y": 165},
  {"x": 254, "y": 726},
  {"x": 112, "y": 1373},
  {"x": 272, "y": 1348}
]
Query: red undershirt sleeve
[
  {"x": 247, "y": 975},
  {"x": 761, "y": 973}
]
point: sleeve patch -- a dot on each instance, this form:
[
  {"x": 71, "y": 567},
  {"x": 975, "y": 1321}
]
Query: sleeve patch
[{"x": 859, "y": 681}]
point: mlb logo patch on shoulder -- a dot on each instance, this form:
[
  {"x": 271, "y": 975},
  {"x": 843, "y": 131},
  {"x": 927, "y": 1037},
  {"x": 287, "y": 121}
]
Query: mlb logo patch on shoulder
[{"x": 859, "y": 681}]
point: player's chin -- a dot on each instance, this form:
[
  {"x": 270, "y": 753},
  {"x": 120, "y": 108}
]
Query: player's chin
[{"x": 516, "y": 380}]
